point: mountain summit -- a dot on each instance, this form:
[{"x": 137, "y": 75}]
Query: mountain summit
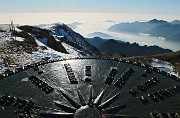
[{"x": 25, "y": 45}]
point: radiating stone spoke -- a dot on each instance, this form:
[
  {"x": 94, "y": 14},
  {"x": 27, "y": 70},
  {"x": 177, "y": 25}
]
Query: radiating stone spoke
[
  {"x": 65, "y": 107},
  {"x": 91, "y": 94},
  {"x": 71, "y": 100},
  {"x": 99, "y": 98},
  {"x": 108, "y": 102},
  {"x": 81, "y": 98},
  {"x": 56, "y": 115},
  {"x": 114, "y": 110}
]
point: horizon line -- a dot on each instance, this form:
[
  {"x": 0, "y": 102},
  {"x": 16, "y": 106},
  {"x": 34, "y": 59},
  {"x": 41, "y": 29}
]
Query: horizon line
[{"x": 88, "y": 12}]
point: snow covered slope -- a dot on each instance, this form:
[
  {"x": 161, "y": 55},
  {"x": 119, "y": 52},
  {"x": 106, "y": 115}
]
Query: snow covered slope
[
  {"x": 54, "y": 34},
  {"x": 33, "y": 44},
  {"x": 165, "y": 66}
]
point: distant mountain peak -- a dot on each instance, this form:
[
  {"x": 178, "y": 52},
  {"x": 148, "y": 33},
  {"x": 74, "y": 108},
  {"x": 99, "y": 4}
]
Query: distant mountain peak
[
  {"x": 176, "y": 22},
  {"x": 112, "y": 41},
  {"x": 99, "y": 34},
  {"x": 157, "y": 21}
]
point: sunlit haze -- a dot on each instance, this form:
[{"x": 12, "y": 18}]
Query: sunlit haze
[{"x": 94, "y": 15}]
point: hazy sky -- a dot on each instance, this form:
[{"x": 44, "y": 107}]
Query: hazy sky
[{"x": 129, "y": 6}]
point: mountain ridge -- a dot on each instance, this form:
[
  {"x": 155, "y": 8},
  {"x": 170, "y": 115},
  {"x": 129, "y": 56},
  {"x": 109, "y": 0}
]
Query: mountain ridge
[
  {"x": 157, "y": 28},
  {"x": 112, "y": 46}
]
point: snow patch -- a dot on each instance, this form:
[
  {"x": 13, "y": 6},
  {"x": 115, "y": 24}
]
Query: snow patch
[
  {"x": 165, "y": 66},
  {"x": 17, "y": 29},
  {"x": 58, "y": 38},
  {"x": 162, "y": 64},
  {"x": 19, "y": 39},
  {"x": 2, "y": 69},
  {"x": 72, "y": 50},
  {"x": 24, "y": 80}
]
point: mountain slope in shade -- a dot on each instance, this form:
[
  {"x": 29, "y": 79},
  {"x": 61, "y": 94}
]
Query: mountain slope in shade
[
  {"x": 111, "y": 47},
  {"x": 97, "y": 41},
  {"x": 120, "y": 48}
]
